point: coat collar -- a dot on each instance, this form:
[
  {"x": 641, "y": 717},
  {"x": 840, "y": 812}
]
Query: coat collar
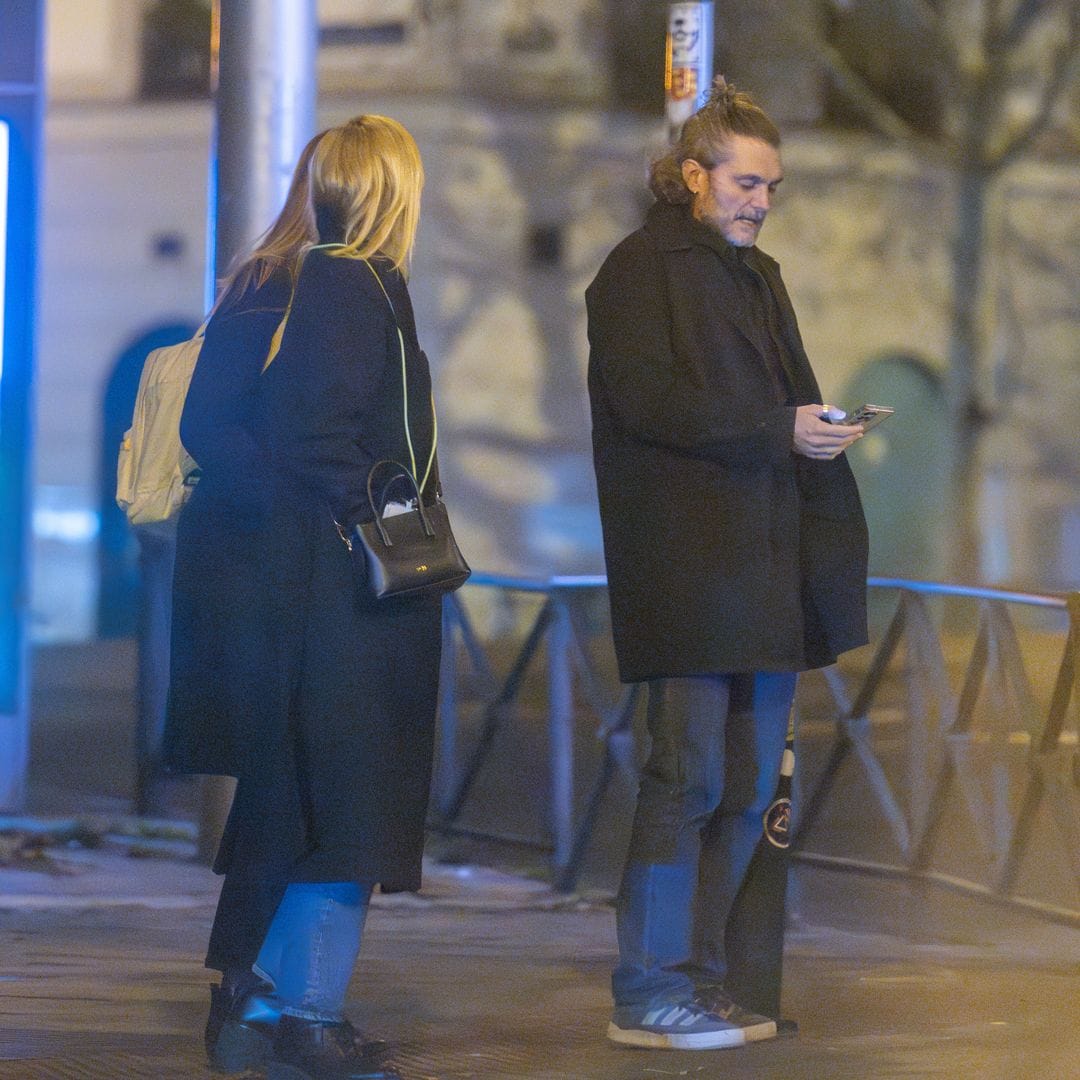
[{"x": 672, "y": 227}]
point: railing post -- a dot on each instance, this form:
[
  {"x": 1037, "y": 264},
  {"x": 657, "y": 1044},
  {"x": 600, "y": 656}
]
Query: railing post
[
  {"x": 561, "y": 730},
  {"x": 446, "y": 777}
]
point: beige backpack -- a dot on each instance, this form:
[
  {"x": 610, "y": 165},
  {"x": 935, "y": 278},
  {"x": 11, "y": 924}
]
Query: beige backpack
[{"x": 154, "y": 473}]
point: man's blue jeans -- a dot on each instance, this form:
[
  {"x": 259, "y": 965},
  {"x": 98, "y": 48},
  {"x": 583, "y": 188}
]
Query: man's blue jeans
[{"x": 712, "y": 770}]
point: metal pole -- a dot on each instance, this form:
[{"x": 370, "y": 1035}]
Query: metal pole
[
  {"x": 264, "y": 114},
  {"x": 689, "y": 62}
]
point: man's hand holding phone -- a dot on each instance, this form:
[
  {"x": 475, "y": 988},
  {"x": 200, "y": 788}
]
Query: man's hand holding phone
[
  {"x": 826, "y": 431},
  {"x": 818, "y": 437},
  {"x": 868, "y": 416}
]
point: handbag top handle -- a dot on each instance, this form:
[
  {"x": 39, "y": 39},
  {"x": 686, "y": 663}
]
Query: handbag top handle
[{"x": 420, "y": 484}]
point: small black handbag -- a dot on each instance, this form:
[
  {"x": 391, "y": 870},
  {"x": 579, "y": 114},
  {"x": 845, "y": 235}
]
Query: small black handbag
[
  {"x": 410, "y": 552},
  {"x": 413, "y": 551}
]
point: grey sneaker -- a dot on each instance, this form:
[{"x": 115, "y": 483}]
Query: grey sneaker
[
  {"x": 673, "y": 1027},
  {"x": 718, "y": 1002}
]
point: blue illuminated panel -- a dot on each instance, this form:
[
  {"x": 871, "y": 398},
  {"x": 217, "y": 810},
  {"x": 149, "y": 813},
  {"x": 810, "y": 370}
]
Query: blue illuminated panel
[
  {"x": 5, "y": 143},
  {"x": 21, "y": 102},
  {"x": 10, "y": 561},
  {"x": 16, "y": 352}
]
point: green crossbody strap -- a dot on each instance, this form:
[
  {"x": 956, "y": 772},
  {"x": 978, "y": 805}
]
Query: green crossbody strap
[
  {"x": 420, "y": 484},
  {"x": 279, "y": 333}
]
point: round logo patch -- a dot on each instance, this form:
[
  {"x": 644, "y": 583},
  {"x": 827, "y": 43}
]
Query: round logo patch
[{"x": 777, "y": 822}]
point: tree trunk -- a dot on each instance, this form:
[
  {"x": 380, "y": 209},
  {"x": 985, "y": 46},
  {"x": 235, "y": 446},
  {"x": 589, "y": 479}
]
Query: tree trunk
[{"x": 966, "y": 411}]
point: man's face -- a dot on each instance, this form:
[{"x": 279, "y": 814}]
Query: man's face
[{"x": 734, "y": 196}]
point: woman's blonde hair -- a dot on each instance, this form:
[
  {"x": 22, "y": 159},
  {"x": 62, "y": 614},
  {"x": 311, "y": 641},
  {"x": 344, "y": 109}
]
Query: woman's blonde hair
[
  {"x": 366, "y": 177},
  {"x": 282, "y": 244}
]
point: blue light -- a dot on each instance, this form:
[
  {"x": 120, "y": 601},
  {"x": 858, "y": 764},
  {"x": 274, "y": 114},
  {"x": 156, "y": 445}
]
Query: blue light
[
  {"x": 9, "y": 665},
  {"x": 16, "y": 323},
  {"x": 4, "y": 143}
]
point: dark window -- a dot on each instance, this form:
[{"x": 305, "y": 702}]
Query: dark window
[{"x": 176, "y": 50}]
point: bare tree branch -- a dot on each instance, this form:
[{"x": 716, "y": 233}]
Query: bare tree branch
[
  {"x": 1063, "y": 68},
  {"x": 863, "y": 95},
  {"x": 1024, "y": 17},
  {"x": 1072, "y": 127},
  {"x": 943, "y": 54},
  {"x": 984, "y": 96},
  {"x": 923, "y": 12},
  {"x": 883, "y": 117}
]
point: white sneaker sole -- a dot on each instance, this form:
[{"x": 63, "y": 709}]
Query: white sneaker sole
[
  {"x": 759, "y": 1032},
  {"x": 654, "y": 1040}
]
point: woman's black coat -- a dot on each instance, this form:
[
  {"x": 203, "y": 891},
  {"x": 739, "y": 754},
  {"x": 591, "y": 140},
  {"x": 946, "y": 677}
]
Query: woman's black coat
[
  {"x": 282, "y": 674},
  {"x": 726, "y": 551}
]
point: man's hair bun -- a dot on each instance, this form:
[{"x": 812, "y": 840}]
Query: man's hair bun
[{"x": 723, "y": 94}]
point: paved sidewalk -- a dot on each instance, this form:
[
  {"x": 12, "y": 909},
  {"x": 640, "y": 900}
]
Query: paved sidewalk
[
  {"x": 488, "y": 975},
  {"x": 485, "y": 975}
]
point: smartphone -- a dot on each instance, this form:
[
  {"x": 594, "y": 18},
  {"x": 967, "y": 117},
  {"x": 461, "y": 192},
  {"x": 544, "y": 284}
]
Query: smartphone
[{"x": 867, "y": 415}]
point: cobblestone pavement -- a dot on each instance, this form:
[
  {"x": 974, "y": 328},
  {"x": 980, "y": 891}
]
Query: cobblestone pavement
[{"x": 489, "y": 976}]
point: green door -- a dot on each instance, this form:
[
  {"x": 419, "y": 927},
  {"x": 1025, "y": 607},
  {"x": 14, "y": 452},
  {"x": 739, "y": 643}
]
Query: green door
[{"x": 902, "y": 466}]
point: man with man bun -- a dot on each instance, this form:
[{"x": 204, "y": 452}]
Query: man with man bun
[{"x": 736, "y": 553}]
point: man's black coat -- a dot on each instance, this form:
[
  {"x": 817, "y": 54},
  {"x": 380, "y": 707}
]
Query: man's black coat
[{"x": 725, "y": 550}]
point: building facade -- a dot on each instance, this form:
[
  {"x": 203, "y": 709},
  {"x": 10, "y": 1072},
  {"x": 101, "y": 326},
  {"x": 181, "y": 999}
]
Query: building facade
[{"x": 533, "y": 173}]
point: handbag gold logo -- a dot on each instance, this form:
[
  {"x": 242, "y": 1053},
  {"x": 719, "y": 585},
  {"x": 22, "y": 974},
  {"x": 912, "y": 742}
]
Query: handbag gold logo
[{"x": 422, "y": 568}]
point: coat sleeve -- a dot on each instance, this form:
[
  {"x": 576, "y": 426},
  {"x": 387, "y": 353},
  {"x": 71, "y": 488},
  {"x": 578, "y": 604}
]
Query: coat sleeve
[
  {"x": 330, "y": 391},
  {"x": 214, "y": 425},
  {"x": 652, "y": 393}
]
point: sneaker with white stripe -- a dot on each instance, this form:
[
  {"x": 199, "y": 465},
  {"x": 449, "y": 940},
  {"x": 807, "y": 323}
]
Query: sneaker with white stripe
[
  {"x": 672, "y": 1027},
  {"x": 720, "y": 1003}
]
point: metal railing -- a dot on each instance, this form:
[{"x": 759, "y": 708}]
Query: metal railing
[
  {"x": 976, "y": 788},
  {"x": 557, "y": 629}
]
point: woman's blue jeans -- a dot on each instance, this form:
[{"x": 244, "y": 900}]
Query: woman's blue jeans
[
  {"x": 311, "y": 947},
  {"x": 712, "y": 771}
]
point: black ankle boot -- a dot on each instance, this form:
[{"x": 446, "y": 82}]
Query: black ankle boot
[
  {"x": 240, "y": 1027},
  {"x": 321, "y": 1050}
]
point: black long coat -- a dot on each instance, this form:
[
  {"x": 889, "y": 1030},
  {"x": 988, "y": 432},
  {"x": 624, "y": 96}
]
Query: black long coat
[
  {"x": 282, "y": 674},
  {"x": 726, "y": 551}
]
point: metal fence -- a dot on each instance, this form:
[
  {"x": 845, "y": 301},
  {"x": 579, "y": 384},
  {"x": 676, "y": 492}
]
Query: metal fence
[
  {"x": 946, "y": 750},
  {"x": 953, "y": 750},
  {"x": 560, "y": 634}
]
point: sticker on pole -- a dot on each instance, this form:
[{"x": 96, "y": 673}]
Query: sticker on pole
[
  {"x": 688, "y": 60},
  {"x": 777, "y": 822},
  {"x": 684, "y": 84}
]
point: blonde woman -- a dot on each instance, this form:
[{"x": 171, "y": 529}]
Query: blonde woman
[{"x": 331, "y": 725}]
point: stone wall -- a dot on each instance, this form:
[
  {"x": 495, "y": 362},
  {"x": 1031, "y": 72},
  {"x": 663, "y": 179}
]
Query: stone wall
[{"x": 522, "y": 204}]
